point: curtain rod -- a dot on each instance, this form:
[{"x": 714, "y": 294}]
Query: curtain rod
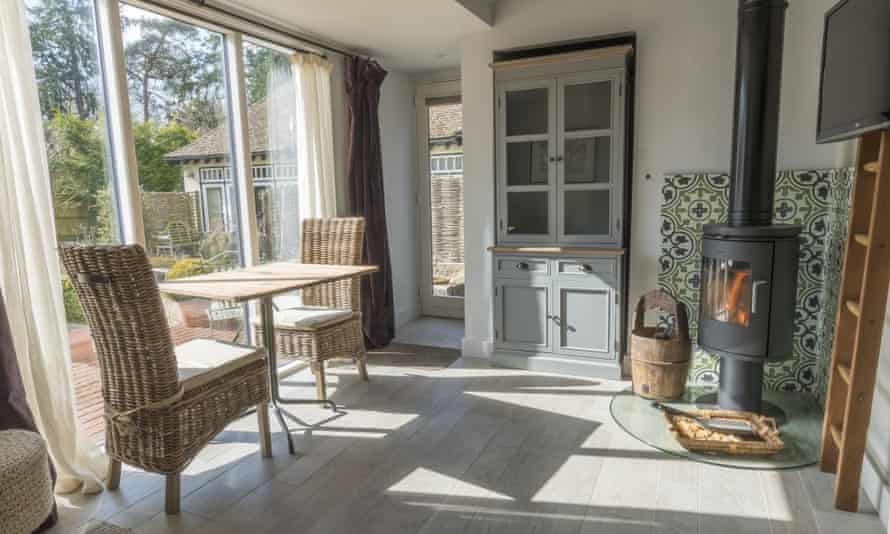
[{"x": 240, "y": 17}]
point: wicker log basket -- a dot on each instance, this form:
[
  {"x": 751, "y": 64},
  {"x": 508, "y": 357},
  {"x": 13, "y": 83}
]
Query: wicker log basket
[
  {"x": 660, "y": 356},
  {"x": 692, "y": 436}
]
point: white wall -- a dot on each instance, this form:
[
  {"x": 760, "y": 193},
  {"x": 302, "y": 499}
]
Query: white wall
[
  {"x": 684, "y": 106},
  {"x": 398, "y": 144}
]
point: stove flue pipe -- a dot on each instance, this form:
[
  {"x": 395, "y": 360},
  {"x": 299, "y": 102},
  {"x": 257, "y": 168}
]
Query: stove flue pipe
[{"x": 761, "y": 32}]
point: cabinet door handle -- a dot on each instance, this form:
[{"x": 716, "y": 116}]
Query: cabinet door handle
[
  {"x": 522, "y": 266},
  {"x": 556, "y": 320},
  {"x": 511, "y": 229},
  {"x": 587, "y": 268},
  {"x": 552, "y": 159},
  {"x": 558, "y": 158}
]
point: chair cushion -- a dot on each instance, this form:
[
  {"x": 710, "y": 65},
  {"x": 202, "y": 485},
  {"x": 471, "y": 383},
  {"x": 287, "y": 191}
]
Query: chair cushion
[
  {"x": 288, "y": 302},
  {"x": 310, "y": 317},
  {"x": 200, "y": 361}
]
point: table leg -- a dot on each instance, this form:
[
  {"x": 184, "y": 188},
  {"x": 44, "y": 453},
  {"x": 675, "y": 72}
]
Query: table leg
[{"x": 267, "y": 319}]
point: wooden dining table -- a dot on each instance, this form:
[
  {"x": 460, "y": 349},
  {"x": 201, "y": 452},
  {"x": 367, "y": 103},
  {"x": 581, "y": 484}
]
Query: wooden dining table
[{"x": 264, "y": 283}]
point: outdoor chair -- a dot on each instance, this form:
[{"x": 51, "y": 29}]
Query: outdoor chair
[
  {"x": 328, "y": 323},
  {"x": 163, "y": 404},
  {"x": 176, "y": 236}
]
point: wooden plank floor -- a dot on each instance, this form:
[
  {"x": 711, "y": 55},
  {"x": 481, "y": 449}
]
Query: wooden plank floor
[{"x": 433, "y": 449}]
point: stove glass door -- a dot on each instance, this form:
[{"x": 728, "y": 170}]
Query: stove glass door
[
  {"x": 735, "y": 296},
  {"x": 726, "y": 290}
]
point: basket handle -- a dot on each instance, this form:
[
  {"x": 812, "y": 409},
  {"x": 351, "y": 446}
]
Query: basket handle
[{"x": 664, "y": 301}]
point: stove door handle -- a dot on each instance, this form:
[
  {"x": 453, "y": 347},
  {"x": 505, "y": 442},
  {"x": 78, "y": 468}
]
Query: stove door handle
[{"x": 755, "y": 290}]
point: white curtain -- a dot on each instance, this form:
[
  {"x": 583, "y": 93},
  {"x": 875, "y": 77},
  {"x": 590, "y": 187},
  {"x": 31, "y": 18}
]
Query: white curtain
[
  {"x": 29, "y": 264},
  {"x": 315, "y": 136},
  {"x": 281, "y": 130}
]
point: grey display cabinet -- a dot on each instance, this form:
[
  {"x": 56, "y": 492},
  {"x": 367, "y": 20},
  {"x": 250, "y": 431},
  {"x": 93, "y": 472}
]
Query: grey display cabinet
[{"x": 559, "y": 269}]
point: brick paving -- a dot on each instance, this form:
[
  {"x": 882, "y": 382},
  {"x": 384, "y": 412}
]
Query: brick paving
[{"x": 85, "y": 371}]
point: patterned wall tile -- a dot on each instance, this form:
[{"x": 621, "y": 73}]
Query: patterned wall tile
[{"x": 818, "y": 201}]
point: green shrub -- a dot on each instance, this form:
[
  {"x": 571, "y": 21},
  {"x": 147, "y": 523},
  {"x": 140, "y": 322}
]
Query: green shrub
[
  {"x": 161, "y": 262},
  {"x": 73, "y": 311},
  {"x": 188, "y": 267}
]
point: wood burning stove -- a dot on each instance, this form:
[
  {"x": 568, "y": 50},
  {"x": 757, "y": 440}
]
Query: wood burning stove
[
  {"x": 749, "y": 266},
  {"x": 748, "y": 289}
]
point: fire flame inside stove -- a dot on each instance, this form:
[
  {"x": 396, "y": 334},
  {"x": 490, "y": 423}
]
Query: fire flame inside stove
[{"x": 735, "y": 309}]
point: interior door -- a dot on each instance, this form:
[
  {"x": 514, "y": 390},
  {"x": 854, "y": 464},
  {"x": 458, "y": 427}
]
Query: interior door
[
  {"x": 526, "y": 161},
  {"x": 590, "y": 157},
  {"x": 440, "y": 199}
]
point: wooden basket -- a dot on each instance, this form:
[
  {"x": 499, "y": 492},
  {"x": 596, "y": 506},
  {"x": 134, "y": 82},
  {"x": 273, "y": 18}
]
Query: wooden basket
[
  {"x": 692, "y": 436},
  {"x": 660, "y": 364}
]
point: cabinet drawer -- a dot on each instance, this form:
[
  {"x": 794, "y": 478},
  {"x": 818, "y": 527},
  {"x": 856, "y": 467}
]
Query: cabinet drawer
[
  {"x": 513, "y": 267},
  {"x": 586, "y": 267}
]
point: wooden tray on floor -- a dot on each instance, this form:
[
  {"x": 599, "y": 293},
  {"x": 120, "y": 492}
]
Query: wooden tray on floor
[{"x": 694, "y": 437}]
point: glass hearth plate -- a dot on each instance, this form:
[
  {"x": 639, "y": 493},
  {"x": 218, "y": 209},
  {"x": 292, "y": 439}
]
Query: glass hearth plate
[{"x": 801, "y": 429}]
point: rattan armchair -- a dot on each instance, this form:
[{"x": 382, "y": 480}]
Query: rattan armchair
[
  {"x": 163, "y": 404},
  {"x": 328, "y": 324}
]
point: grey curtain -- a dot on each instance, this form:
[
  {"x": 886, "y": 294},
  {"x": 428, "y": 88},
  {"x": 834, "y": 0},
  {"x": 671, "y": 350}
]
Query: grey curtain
[
  {"x": 14, "y": 411},
  {"x": 365, "y": 178}
]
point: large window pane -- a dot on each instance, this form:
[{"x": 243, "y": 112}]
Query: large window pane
[
  {"x": 271, "y": 118},
  {"x": 179, "y": 104},
  {"x": 65, "y": 47}
]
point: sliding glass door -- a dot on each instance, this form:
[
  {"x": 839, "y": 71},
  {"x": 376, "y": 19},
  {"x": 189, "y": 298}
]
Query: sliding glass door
[
  {"x": 179, "y": 104},
  {"x": 64, "y": 42},
  {"x": 168, "y": 130}
]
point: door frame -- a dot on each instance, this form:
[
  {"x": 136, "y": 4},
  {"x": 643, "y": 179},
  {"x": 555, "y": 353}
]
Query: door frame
[{"x": 430, "y": 304}]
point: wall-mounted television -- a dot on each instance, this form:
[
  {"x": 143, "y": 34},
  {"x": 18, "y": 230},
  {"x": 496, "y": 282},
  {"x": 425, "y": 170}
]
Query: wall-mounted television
[{"x": 854, "y": 92}]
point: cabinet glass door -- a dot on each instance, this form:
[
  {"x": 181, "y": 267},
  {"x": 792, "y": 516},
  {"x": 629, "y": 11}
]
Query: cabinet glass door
[
  {"x": 527, "y": 120},
  {"x": 588, "y": 169}
]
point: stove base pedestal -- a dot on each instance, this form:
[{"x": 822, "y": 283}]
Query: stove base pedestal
[{"x": 741, "y": 385}]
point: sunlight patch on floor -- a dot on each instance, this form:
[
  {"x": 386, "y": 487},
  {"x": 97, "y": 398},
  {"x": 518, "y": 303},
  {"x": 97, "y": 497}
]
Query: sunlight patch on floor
[
  {"x": 572, "y": 482},
  {"x": 427, "y": 482}
]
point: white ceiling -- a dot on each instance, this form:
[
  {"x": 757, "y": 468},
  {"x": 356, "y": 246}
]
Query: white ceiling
[{"x": 404, "y": 35}]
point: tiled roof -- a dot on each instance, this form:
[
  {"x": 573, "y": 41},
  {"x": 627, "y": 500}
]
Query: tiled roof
[
  {"x": 215, "y": 142},
  {"x": 445, "y": 121}
]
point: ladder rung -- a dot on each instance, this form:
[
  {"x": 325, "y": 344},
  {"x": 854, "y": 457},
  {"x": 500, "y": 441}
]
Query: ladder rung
[
  {"x": 844, "y": 370},
  {"x": 836, "y": 435},
  {"x": 872, "y": 166},
  {"x": 862, "y": 239},
  {"x": 854, "y": 308}
]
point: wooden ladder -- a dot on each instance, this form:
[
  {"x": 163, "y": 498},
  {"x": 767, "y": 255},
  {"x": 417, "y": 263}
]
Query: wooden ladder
[{"x": 862, "y": 300}]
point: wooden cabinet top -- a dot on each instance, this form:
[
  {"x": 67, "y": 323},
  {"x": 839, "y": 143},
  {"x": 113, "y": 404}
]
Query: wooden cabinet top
[{"x": 559, "y": 251}]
